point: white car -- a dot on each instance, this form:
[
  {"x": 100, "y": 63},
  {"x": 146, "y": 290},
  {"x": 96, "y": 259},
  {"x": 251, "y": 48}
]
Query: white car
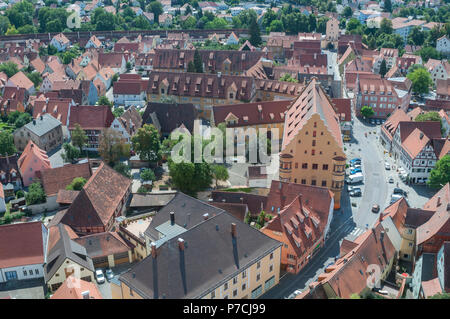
[
  {"x": 294, "y": 294},
  {"x": 387, "y": 166},
  {"x": 99, "y": 276}
]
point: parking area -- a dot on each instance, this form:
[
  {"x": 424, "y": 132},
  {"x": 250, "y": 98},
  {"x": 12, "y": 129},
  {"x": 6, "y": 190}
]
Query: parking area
[{"x": 105, "y": 288}]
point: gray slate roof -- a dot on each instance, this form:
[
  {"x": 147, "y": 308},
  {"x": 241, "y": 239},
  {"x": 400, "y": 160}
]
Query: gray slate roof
[
  {"x": 151, "y": 200},
  {"x": 65, "y": 248},
  {"x": 188, "y": 213},
  {"x": 210, "y": 257},
  {"x": 42, "y": 126}
]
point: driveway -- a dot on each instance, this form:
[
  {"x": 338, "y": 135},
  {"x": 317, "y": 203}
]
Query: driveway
[{"x": 105, "y": 288}]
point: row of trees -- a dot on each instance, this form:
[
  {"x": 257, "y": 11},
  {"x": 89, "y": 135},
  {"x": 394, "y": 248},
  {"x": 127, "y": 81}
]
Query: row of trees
[{"x": 293, "y": 21}]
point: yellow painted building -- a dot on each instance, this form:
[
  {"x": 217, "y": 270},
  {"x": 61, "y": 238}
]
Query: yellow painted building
[
  {"x": 212, "y": 267},
  {"x": 312, "y": 149},
  {"x": 67, "y": 268}
]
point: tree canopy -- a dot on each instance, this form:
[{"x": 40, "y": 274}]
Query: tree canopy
[
  {"x": 147, "y": 144},
  {"x": 440, "y": 174},
  {"x": 421, "y": 80}
]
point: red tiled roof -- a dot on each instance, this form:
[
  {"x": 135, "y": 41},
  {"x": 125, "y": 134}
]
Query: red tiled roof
[
  {"x": 74, "y": 288},
  {"x": 343, "y": 108},
  {"x": 104, "y": 244},
  {"x": 21, "y": 244},
  {"x": 91, "y": 117},
  {"x": 97, "y": 202},
  {"x": 248, "y": 114},
  {"x": 312, "y": 100},
  {"x": 33, "y": 153},
  {"x": 59, "y": 108},
  {"x": 55, "y": 179}
]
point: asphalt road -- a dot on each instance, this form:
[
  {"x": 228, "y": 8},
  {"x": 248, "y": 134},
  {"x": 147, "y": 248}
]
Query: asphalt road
[{"x": 348, "y": 222}]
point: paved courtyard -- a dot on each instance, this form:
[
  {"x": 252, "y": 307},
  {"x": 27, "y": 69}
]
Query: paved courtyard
[{"x": 23, "y": 289}]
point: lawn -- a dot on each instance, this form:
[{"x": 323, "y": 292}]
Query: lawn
[{"x": 244, "y": 190}]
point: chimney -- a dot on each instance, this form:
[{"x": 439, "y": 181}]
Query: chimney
[
  {"x": 233, "y": 230},
  {"x": 85, "y": 294},
  {"x": 205, "y": 216},
  {"x": 34, "y": 122},
  {"x": 172, "y": 218},
  {"x": 153, "y": 248},
  {"x": 421, "y": 135},
  {"x": 438, "y": 201},
  {"x": 382, "y": 235},
  {"x": 181, "y": 244},
  {"x": 42, "y": 117}
]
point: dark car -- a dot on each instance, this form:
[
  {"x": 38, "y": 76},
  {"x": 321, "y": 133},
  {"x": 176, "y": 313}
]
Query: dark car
[
  {"x": 356, "y": 193},
  {"x": 376, "y": 208},
  {"x": 399, "y": 191}
]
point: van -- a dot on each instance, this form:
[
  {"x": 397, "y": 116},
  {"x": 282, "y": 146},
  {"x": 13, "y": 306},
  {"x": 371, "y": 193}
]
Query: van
[{"x": 355, "y": 178}]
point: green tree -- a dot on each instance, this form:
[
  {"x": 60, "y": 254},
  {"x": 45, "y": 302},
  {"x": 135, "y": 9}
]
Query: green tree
[
  {"x": 4, "y": 24},
  {"x": 430, "y": 116},
  {"x": 79, "y": 138},
  {"x": 286, "y": 77},
  {"x": 198, "y": 62},
  {"x": 348, "y": 12},
  {"x": 427, "y": 53},
  {"x": 111, "y": 146},
  {"x": 367, "y": 111},
  {"x": 7, "y": 144},
  {"x": 118, "y": 111},
  {"x": 103, "y": 100},
  {"x": 276, "y": 26},
  {"x": 440, "y": 174},
  {"x": 36, "y": 194},
  {"x": 10, "y": 68},
  {"x": 76, "y": 184},
  {"x": 220, "y": 173},
  {"x": 123, "y": 169},
  {"x": 387, "y": 5},
  {"x": 148, "y": 175},
  {"x": 190, "y": 178},
  {"x": 155, "y": 7},
  {"x": 35, "y": 77},
  {"x": 255, "y": 34},
  {"x": 443, "y": 295},
  {"x": 386, "y": 26},
  {"x": 70, "y": 152},
  {"x": 355, "y": 296},
  {"x": 146, "y": 143},
  {"x": 421, "y": 80},
  {"x": 383, "y": 68},
  {"x": 416, "y": 36},
  {"x": 191, "y": 67}
]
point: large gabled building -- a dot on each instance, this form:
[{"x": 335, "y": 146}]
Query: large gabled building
[
  {"x": 312, "y": 149},
  {"x": 218, "y": 257},
  {"x": 102, "y": 199}
]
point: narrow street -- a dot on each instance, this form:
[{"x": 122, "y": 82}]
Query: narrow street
[{"x": 348, "y": 222}]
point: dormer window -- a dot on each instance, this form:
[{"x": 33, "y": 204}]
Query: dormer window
[{"x": 231, "y": 95}]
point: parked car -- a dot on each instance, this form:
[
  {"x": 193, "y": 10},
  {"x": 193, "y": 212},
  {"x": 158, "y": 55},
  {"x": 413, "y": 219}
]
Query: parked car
[
  {"x": 400, "y": 191},
  {"x": 391, "y": 180},
  {"x": 109, "y": 274},
  {"x": 395, "y": 197},
  {"x": 356, "y": 178},
  {"x": 355, "y": 160},
  {"x": 376, "y": 208},
  {"x": 294, "y": 294},
  {"x": 356, "y": 192},
  {"x": 378, "y": 122},
  {"x": 356, "y": 170},
  {"x": 353, "y": 166},
  {"x": 387, "y": 166},
  {"x": 350, "y": 188},
  {"x": 99, "y": 276}
]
